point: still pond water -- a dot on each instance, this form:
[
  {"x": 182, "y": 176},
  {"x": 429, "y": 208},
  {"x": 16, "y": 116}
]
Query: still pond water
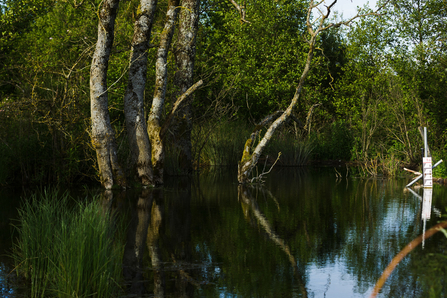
[{"x": 305, "y": 234}]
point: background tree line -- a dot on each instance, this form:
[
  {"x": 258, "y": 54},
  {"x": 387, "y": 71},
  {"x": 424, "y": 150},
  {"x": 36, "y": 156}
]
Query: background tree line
[{"x": 377, "y": 82}]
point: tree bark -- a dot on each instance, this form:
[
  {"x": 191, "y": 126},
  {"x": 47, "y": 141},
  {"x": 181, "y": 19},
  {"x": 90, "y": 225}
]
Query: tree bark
[
  {"x": 155, "y": 115},
  {"x": 185, "y": 56},
  {"x": 103, "y": 135},
  {"x": 139, "y": 143}
]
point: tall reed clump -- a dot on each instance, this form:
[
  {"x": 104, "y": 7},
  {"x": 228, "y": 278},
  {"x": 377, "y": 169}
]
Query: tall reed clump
[
  {"x": 66, "y": 249},
  {"x": 295, "y": 151},
  {"x": 221, "y": 144}
]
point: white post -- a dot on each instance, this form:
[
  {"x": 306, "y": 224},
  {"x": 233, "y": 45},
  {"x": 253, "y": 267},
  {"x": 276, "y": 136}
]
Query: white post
[
  {"x": 427, "y": 164},
  {"x": 426, "y": 209}
]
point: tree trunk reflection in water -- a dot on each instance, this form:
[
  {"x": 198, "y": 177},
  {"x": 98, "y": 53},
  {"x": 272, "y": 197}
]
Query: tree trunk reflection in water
[
  {"x": 178, "y": 222},
  {"x": 148, "y": 227},
  {"x": 143, "y": 229},
  {"x": 249, "y": 204},
  {"x": 136, "y": 238},
  {"x": 153, "y": 236}
]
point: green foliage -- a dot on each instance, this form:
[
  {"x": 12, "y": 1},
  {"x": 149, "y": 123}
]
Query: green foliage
[
  {"x": 46, "y": 92},
  {"x": 218, "y": 145},
  {"x": 375, "y": 88},
  {"x": 441, "y": 170},
  {"x": 259, "y": 63},
  {"x": 335, "y": 143},
  {"x": 295, "y": 150},
  {"x": 66, "y": 250},
  {"x": 24, "y": 155}
]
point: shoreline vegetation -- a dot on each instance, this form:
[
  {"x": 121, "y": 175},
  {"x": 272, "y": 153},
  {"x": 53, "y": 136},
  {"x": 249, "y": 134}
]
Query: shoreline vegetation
[
  {"x": 87, "y": 98},
  {"x": 29, "y": 156},
  {"x": 68, "y": 248},
  {"x": 30, "y": 159}
]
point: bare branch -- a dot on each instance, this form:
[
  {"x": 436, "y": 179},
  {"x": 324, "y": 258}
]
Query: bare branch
[
  {"x": 259, "y": 178},
  {"x": 249, "y": 158},
  {"x": 241, "y": 10},
  {"x": 324, "y": 17},
  {"x": 177, "y": 103},
  {"x": 405, "y": 251},
  {"x": 309, "y": 116},
  {"x": 346, "y": 23}
]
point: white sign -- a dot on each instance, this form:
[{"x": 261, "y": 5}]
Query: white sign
[{"x": 427, "y": 170}]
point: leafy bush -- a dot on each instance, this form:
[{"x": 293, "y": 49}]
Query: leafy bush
[{"x": 334, "y": 143}]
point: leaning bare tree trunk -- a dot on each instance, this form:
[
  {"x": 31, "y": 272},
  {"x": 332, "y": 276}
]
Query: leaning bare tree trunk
[
  {"x": 155, "y": 115},
  {"x": 103, "y": 135},
  {"x": 249, "y": 158},
  {"x": 184, "y": 55},
  {"x": 134, "y": 98}
]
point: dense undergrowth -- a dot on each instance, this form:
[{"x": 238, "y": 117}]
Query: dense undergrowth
[
  {"x": 34, "y": 155},
  {"x": 67, "y": 249}
]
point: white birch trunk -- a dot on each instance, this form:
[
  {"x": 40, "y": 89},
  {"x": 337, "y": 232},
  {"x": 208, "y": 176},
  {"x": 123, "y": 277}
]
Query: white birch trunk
[
  {"x": 185, "y": 56},
  {"x": 134, "y": 98},
  {"x": 161, "y": 75},
  {"x": 103, "y": 135}
]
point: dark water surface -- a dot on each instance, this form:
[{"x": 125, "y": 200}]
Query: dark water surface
[{"x": 305, "y": 234}]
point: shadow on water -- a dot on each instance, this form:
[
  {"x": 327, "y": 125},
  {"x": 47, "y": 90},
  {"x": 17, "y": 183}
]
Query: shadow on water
[{"x": 305, "y": 234}]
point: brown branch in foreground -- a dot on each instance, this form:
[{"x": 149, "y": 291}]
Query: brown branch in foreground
[{"x": 399, "y": 257}]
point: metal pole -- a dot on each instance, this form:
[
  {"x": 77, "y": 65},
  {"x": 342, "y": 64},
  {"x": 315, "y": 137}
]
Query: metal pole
[
  {"x": 425, "y": 143},
  {"x": 414, "y": 180},
  {"x": 437, "y": 164}
]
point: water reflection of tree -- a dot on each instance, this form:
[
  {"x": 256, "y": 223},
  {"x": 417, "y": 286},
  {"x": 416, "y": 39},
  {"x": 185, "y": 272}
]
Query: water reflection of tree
[
  {"x": 140, "y": 216},
  {"x": 251, "y": 208},
  {"x": 382, "y": 230},
  {"x": 158, "y": 250},
  {"x": 206, "y": 247},
  {"x": 324, "y": 223}
]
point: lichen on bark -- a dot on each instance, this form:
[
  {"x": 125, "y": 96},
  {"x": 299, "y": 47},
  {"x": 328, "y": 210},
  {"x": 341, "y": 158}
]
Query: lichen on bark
[
  {"x": 139, "y": 143},
  {"x": 103, "y": 135}
]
